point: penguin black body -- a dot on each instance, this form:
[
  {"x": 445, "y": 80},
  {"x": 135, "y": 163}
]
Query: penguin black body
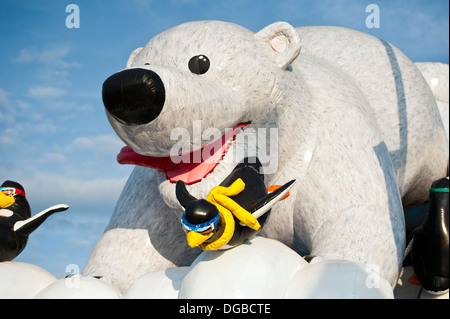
[
  {"x": 430, "y": 242},
  {"x": 253, "y": 198},
  {"x": 16, "y": 223},
  {"x": 250, "y": 198}
]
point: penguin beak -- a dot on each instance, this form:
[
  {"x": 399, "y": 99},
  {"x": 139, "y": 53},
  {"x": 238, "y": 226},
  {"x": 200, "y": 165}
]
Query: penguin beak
[
  {"x": 6, "y": 201},
  {"x": 195, "y": 239}
]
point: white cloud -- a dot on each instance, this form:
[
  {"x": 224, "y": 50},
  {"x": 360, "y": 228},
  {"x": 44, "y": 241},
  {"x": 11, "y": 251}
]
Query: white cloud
[
  {"x": 4, "y": 99},
  {"x": 6, "y": 117},
  {"x": 7, "y": 138},
  {"x": 25, "y": 55},
  {"x": 6, "y": 110},
  {"x": 79, "y": 243},
  {"x": 53, "y": 157},
  {"x": 10, "y": 108},
  {"x": 347, "y": 12},
  {"x": 101, "y": 144},
  {"x": 50, "y": 64},
  {"x": 39, "y": 128},
  {"x": 53, "y": 75},
  {"x": 48, "y": 188},
  {"x": 45, "y": 92},
  {"x": 54, "y": 56},
  {"x": 22, "y": 106},
  {"x": 77, "y": 111},
  {"x": 424, "y": 36}
]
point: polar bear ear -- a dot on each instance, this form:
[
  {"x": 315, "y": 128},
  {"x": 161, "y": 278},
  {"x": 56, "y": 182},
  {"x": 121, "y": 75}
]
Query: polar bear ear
[
  {"x": 133, "y": 56},
  {"x": 283, "y": 40}
]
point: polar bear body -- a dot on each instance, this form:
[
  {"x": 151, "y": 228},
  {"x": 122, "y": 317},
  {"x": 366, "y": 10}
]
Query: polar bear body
[{"x": 356, "y": 125}]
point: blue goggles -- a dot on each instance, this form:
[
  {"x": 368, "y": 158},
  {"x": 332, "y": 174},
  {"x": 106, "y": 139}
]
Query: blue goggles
[
  {"x": 200, "y": 227},
  {"x": 11, "y": 191}
]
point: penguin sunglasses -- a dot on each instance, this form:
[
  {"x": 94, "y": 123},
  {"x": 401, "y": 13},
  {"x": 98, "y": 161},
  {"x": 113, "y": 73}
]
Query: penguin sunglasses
[
  {"x": 11, "y": 191},
  {"x": 204, "y": 228}
]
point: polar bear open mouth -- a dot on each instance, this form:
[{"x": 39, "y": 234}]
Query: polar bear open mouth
[{"x": 192, "y": 167}]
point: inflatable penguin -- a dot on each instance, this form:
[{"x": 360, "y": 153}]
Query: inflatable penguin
[
  {"x": 430, "y": 242},
  {"x": 16, "y": 223},
  {"x": 233, "y": 212}
]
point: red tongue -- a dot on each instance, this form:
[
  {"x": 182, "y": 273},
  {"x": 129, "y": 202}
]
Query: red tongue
[
  {"x": 128, "y": 156},
  {"x": 190, "y": 172}
]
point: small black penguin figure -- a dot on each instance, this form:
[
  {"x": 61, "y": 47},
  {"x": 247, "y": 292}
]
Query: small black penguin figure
[
  {"x": 430, "y": 242},
  {"x": 16, "y": 223},
  {"x": 204, "y": 224}
]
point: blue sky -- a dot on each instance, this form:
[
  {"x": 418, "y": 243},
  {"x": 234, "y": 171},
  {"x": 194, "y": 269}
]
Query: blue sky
[{"x": 54, "y": 136}]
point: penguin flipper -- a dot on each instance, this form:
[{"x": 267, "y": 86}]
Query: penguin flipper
[
  {"x": 264, "y": 204},
  {"x": 182, "y": 194},
  {"x": 27, "y": 226}
]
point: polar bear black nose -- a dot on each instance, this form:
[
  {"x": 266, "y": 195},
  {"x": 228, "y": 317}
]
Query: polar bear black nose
[{"x": 134, "y": 96}]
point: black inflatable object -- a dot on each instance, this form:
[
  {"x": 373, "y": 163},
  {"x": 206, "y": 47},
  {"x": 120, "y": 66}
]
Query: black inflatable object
[
  {"x": 252, "y": 198},
  {"x": 16, "y": 223},
  {"x": 430, "y": 243},
  {"x": 134, "y": 96}
]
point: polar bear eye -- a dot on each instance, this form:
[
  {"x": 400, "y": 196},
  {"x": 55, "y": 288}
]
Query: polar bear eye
[{"x": 199, "y": 64}]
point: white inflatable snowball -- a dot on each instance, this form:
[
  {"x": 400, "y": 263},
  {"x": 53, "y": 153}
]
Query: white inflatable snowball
[
  {"x": 161, "y": 284},
  {"x": 338, "y": 279},
  {"x": 22, "y": 281},
  {"x": 259, "y": 268},
  {"x": 79, "y": 287}
]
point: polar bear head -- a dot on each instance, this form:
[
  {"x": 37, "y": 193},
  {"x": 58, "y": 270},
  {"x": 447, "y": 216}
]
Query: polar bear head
[{"x": 217, "y": 72}]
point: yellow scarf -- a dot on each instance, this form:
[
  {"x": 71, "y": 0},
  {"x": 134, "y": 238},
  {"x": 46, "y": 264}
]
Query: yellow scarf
[{"x": 227, "y": 207}]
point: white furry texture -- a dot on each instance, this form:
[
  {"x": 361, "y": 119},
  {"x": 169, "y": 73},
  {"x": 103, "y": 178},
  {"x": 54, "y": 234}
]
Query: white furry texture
[
  {"x": 437, "y": 77},
  {"x": 358, "y": 128}
]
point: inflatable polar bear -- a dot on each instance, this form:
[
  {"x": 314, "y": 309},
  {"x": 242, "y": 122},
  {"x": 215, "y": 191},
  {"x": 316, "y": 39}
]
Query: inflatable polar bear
[{"x": 349, "y": 116}]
